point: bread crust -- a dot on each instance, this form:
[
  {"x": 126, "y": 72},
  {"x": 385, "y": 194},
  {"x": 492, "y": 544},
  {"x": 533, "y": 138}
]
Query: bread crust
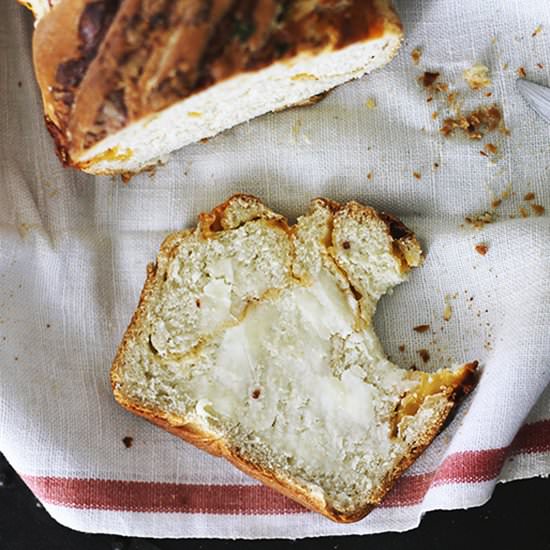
[
  {"x": 209, "y": 442},
  {"x": 104, "y": 64},
  {"x": 217, "y": 447},
  {"x": 37, "y": 7}
]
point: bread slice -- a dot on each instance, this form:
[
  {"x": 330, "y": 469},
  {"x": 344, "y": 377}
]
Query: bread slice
[
  {"x": 254, "y": 341},
  {"x": 125, "y": 82}
]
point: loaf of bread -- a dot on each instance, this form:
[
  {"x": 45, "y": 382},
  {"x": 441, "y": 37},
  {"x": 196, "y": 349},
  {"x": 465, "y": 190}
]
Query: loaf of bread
[
  {"x": 254, "y": 341},
  {"x": 125, "y": 82}
]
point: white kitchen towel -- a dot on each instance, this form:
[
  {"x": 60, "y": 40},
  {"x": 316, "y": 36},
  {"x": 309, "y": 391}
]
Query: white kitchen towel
[{"x": 73, "y": 251}]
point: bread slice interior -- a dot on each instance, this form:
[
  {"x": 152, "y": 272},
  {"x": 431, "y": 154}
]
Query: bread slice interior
[{"x": 254, "y": 340}]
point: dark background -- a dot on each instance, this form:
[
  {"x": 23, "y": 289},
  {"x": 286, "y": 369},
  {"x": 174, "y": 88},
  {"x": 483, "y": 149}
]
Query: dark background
[{"x": 517, "y": 517}]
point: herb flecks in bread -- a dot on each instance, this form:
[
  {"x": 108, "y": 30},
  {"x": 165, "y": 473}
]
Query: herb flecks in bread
[{"x": 254, "y": 341}]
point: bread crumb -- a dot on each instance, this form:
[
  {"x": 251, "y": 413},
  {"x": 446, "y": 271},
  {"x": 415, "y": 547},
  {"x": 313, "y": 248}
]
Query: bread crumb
[
  {"x": 529, "y": 196},
  {"x": 401, "y": 348},
  {"x": 452, "y": 98},
  {"x": 128, "y": 441},
  {"x": 538, "y": 209},
  {"x": 428, "y": 78},
  {"x": 416, "y": 54},
  {"x": 417, "y": 175},
  {"x": 370, "y": 103},
  {"x": 488, "y": 94},
  {"x": 310, "y": 101},
  {"x": 421, "y": 328},
  {"x": 476, "y": 123},
  {"x": 521, "y": 72},
  {"x": 477, "y": 77},
  {"x": 480, "y": 220},
  {"x": 523, "y": 212},
  {"x": 436, "y": 165},
  {"x": 435, "y": 114},
  {"x": 424, "y": 354},
  {"x": 194, "y": 114},
  {"x": 491, "y": 148},
  {"x": 540, "y": 65},
  {"x": 483, "y": 153},
  {"x": 369, "y": 176},
  {"x": 495, "y": 203},
  {"x": 537, "y": 30},
  {"x": 481, "y": 249},
  {"x": 447, "y": 309}
]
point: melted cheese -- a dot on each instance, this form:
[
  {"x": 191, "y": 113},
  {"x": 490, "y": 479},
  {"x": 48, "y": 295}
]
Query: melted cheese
[{"x": 272, "y": 374}]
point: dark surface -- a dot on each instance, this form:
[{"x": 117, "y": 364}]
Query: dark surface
[{"x": 518, "y": 516}]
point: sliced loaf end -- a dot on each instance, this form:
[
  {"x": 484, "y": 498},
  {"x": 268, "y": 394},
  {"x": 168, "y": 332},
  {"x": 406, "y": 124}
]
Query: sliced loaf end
[{"x": 122, "y": 88}]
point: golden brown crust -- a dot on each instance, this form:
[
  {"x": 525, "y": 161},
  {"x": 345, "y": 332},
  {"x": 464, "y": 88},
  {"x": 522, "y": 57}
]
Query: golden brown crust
[
  {"x": 217, "y": 447},
  {"x": 309, "y": 102},
  {"x": 27, "y": 5},
  {"x": 104, "y": 64},
  {"x": 37, "y": 7},
  {"x": 217, "y": 220},
  {"x": 462, "y": 384},
  {"x": 405, "y": 246},
  {"x": 65, "y": 44}
]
